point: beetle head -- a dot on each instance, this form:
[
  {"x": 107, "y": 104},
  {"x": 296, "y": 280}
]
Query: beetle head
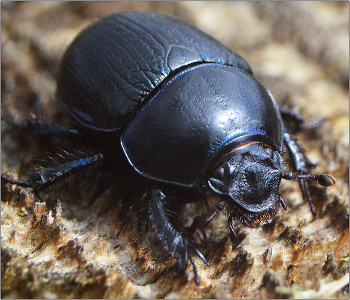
[{"x": 249, "y": 178}]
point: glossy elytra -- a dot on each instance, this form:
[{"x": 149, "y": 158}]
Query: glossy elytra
[{"x": 185, "y": 111}]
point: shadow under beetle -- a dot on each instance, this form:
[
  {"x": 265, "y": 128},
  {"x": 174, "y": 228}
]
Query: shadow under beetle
[{"x": 185, "y": 111}]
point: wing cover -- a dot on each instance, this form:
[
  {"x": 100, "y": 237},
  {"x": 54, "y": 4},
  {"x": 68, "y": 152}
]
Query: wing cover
[{"x": 115, "y": 63}]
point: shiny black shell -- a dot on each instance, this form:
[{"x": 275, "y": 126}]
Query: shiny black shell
[
  {"x": 116, "y": 63},
  {"x": 179, "y": 99}
]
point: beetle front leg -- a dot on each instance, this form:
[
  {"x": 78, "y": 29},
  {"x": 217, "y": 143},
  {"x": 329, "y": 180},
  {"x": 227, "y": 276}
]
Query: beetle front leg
[
  {"x": 199, "y": 225},
  {"x": 173, "y": 242}
]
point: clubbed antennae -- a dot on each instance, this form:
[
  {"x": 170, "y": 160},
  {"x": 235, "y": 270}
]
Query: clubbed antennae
[{"x": 321, "y": 179}]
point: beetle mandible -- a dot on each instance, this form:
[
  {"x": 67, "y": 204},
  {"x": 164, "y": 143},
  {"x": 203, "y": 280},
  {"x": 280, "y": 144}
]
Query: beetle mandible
[{"x": 185, "y": 111}]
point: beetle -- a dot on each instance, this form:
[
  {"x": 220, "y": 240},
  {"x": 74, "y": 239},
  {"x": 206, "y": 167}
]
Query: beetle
[{"x": 183, "y": 111}]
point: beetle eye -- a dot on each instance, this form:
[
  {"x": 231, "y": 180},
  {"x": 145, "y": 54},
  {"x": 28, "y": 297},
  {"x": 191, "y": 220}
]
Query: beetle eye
[
  {"x": 219, "y": 173},
  {"x": 220, "y": 179},
  {"x": 269, "y": 152}
]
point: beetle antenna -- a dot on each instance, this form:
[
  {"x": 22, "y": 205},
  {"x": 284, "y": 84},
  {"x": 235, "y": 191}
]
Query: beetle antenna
[{"x": 321, "y": 179}]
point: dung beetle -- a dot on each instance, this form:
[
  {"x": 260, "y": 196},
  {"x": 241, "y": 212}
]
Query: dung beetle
[{"x": 185, "y": 112}]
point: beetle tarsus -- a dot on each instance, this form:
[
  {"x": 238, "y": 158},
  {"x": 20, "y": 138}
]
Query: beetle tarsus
[
  {"x": 173, "y": 242},
  {"x": 16, "y": 182}
]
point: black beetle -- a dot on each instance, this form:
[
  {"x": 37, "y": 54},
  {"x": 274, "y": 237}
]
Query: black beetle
[{"x": 186, "y": 112}]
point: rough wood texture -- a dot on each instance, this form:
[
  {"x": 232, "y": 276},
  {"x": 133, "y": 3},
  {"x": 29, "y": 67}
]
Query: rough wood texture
[{"x": 86, "y": 243}]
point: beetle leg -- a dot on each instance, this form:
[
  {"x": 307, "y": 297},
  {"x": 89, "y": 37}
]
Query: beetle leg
[
  {"x": 16, "y": 182},
  {"x": 201, "y": 233},
  {"x": 295, "y": 123},
  {"x": 35, "y": 125},
  {"x": 73, "y": 163},
  {"x": 302, "y": 167},
  {"x": 173, "y": 242}
]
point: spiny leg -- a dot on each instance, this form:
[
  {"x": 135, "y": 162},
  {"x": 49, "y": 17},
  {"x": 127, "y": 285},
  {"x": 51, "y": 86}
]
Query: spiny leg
[
  {"x": 73, "y": 163},
  {"x": 173, "y": 242}
]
